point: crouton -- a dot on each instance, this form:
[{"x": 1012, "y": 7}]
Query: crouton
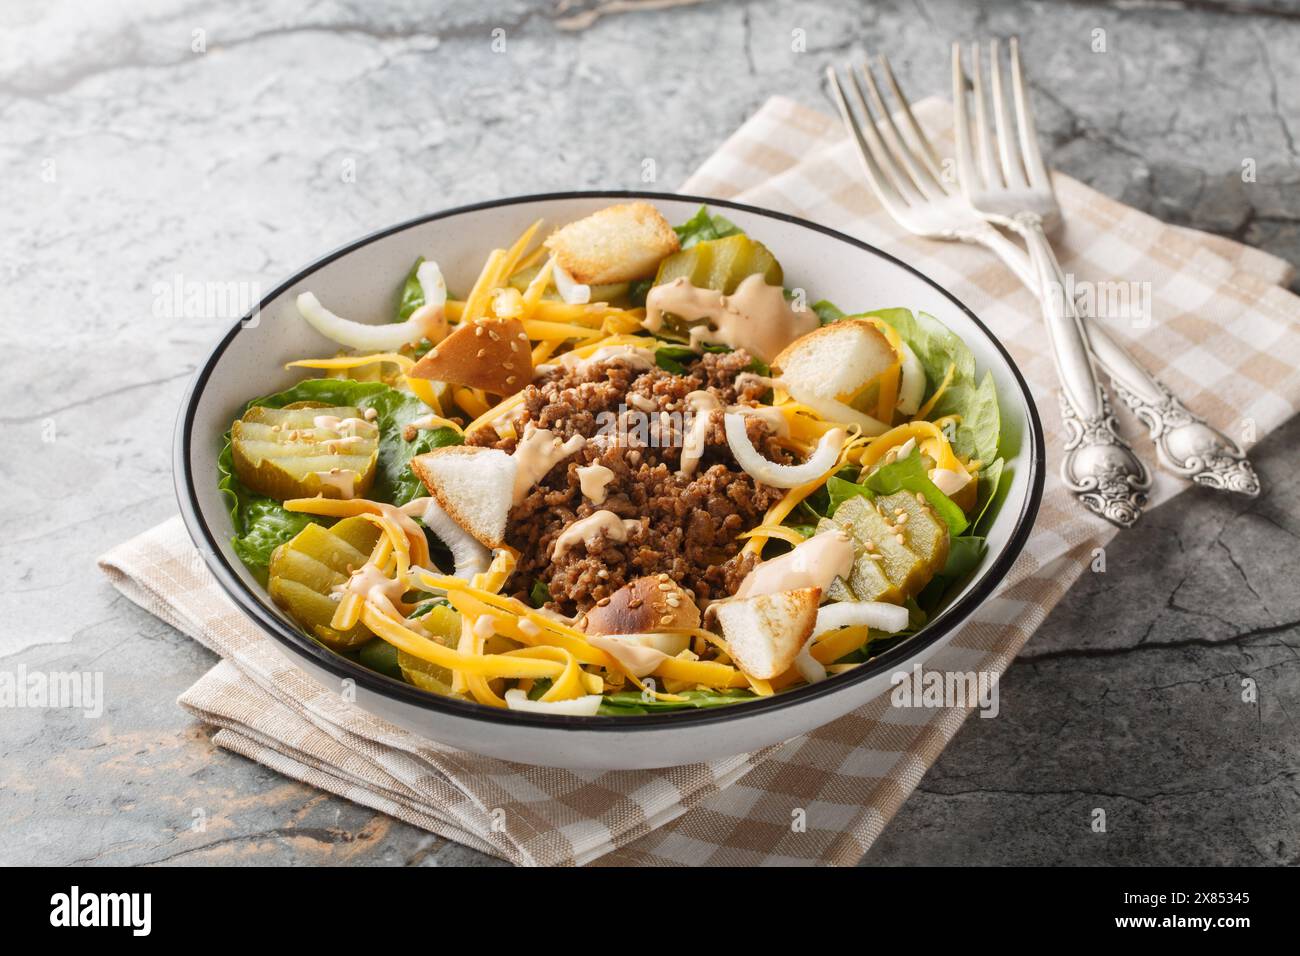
[
  {"x": 618, "y": 244},
  {"x": 474, "y": 485}
]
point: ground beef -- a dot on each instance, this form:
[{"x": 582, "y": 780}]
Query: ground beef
[{"x": 688, "y": 525}]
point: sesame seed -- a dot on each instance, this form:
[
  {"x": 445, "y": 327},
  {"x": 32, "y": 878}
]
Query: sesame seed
[
  {"x": 634, "y": 604},
  {"x": 899, "y": 511},
  {"x": 480, "y": 353},
  {"x": 898, "y": 538},
  {"x": 478, "y": 329},
  {"x": 493, "y": 336},
  {"x": 920, "y": 498},
  {"x": 509, "y": 365},
  {"x": 902, "y": 519},
  {"x": 603, "y": 602},
  {"x": 666, "y": 619},
  {"x": 663, "y": 576},
  {"x": 511, "y": 380}
]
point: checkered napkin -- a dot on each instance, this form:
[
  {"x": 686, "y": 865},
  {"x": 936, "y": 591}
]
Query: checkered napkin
[{"x": 1221, "y": 327}]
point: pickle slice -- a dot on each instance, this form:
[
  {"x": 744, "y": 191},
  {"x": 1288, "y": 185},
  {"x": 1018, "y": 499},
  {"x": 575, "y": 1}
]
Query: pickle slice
[
  {"x": 305, "y": 450},
  {"x": 304, "y": 572},
  {"x": 924, "y": 532},
  {"x": 721, "y": 264},
  {"x": 441, "y": 624},
  {"x": 867, "y": 580}
]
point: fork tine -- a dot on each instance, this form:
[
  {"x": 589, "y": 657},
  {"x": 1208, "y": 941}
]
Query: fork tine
[
  {"x": 1007, "y": 151},
  {"x": 1033, "y": 159},
  {"x": 966, "y": 171},
  {"x": 902, "y": 152},
  {"x": 983, "y": 135},
  {"x": 880, "y": 185},
  {"x": 927, "y": 153},
  {"x": 884, "y": 158}
]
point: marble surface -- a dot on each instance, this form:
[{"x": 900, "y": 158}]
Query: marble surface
[{"x": 150, "y": 143}]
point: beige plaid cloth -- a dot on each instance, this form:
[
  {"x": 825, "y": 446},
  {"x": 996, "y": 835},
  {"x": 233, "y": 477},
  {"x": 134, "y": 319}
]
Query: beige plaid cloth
[{"x": 1222, "y": 328}]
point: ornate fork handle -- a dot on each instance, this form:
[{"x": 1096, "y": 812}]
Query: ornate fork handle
[
  {"x": 1187, "y": 445},
  {"x": 1098, "y": 465}
]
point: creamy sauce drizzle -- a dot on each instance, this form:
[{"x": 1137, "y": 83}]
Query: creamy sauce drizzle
[
  {"x": 634, "y": 356},
  {"x": 346, "y": 427},
  {"x": 587, "y": 530},
  {"x": 756, "y": 317},
  {"x": 538, "y": 452},
  {"x": 342, "y": 480},
  {"x": 701, "y": 405},
  {"x": 373, "y": 585},
  {"x": 813, "y": 564},
  {"x": 593, "y": 479}
]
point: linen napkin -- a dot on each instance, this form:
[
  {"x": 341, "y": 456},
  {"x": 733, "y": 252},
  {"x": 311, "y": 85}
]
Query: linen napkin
[{"x": 1219, "y": 321}]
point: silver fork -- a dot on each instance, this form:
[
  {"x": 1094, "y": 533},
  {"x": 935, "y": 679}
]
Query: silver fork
[{"x": 908, "y": 180}]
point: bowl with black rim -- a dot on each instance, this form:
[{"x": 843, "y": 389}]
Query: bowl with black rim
[{"x": 359, "y": 280}]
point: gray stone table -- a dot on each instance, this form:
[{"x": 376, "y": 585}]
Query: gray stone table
[{"x": 145, "y": 145}]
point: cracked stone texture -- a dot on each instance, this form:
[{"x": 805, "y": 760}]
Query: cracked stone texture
[{"x": 130, "y": 160}]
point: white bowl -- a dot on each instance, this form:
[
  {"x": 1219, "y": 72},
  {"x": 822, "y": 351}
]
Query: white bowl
[{"x": 361, "y": 281}]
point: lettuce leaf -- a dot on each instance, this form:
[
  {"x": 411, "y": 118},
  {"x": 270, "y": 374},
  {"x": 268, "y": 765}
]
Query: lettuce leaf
[
  {"x": 630, "y": 702},
  {"x": 704, "y": 226},
  {"x": 412, "y": 294},
  {"x": 262, "y": 524},
  {"x": 839, "y": 491},
  {"x": 964, "y": 554},
  {"x": 990, "y": 488},
  {"x": 827, "y": 312},
  {"x": 937, "y": 347},
  {"x": 908, "y": 474}
]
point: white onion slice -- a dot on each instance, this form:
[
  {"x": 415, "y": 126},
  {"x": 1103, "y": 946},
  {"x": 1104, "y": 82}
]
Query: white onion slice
[
  {"x": 810, "y": 668},
  {"x": 432, "y": 284},
  {"x": 878, "y": 615},
  {"x": 948, "y": 481},
  {"x": 391, "y": 336},
  {"x": 586, "y": 706},
  {"x": 571, "y": 291},
  {"x": 836, "y": 411},
  {"x": 470, "y": 556},
  {"x": 889, "y": 618},
  {"x": 781, "y": 476},
  {"x": 911, "y": 389}
]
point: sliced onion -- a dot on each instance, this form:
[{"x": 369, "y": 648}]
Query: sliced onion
[
  {"x": 912, "y": 387},
  {"x": 470, "y": 556},
  {"x": 948, "y": 481},
  {"x": 571, "y": 291},
  {"x": 432, "y": 284},
  {"x": 874, "y": 614},
  {"x": 878, "y": 615},
  {"x": 429, "y": 318},
  {"x": 768, "y": 472},
  {"x": 834, "y": 410},
  {"x": 586, "y": 706}
]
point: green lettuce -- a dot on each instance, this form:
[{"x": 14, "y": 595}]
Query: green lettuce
[
  {"x": 411, "y": 296},
  {"x": 908, "y": 474},
  {"x": 839, "y": 490},
  {"x": 262, "y": 524},
  {"x": 937, "y": 348},
  {"x": 630, "y": 702},
  {"x": 705, "y": 226},
  {"x": 827, "y": 312}
]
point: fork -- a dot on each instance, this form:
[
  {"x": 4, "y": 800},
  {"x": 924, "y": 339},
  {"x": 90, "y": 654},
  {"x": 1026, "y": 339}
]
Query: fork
[{"x": 908, "y": 181}]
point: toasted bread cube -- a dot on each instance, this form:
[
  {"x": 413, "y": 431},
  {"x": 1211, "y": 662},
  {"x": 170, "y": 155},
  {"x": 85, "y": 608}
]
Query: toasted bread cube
[{"x": 620, "y": 243}]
